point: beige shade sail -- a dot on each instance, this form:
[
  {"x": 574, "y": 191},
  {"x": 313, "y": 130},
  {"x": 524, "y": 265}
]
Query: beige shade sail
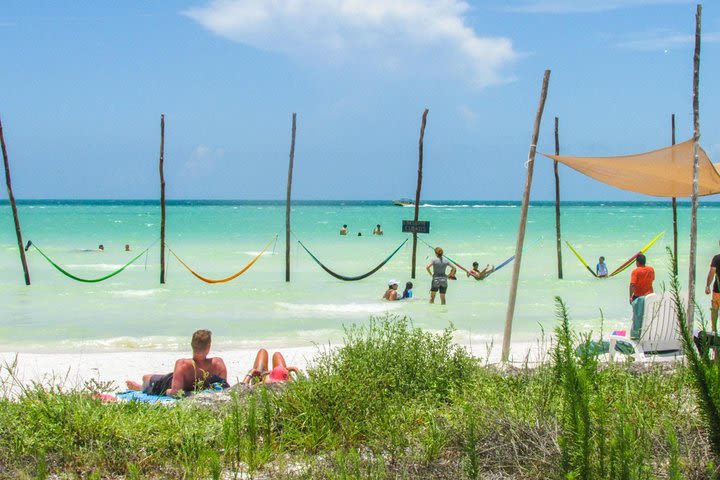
[{"x": 667, "y": 172}]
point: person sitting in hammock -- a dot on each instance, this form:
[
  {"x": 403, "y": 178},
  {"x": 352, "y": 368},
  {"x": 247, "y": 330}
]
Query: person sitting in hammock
[
  {"x": 260, "y": 373},
  {"x": 601, "y": 269},
  {"x": 478, "y": 274},
  {"x": 190, "y": 374}
]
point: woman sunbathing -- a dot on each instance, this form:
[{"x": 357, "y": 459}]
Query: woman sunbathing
[{"x": 260, "y": 372}]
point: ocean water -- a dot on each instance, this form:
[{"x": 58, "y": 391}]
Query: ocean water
[{"x": 133, "y": 311}]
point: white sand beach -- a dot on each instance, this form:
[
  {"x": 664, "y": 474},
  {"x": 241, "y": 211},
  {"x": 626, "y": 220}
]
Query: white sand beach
[{"x": 72, "y": 370}]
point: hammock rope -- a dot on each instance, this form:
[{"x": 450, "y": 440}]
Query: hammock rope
[
  {"x": 506, "y": 262},
  {"x": 88, "y": 280},
  {"x": 231, "y": 277},
  {"x": 625, "y": 265},
  {"x": 346, "y": 278}
]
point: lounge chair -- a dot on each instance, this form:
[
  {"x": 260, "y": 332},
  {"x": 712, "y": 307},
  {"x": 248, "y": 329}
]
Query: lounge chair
[{"x": 659, "y": 333}]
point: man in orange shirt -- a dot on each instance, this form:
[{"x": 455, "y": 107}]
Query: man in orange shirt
[
  {"x": 641, "y": 279},
  {"x": 712, "y": 280}
]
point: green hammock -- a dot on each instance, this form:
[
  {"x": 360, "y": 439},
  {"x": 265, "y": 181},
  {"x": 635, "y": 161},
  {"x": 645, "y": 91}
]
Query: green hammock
[
  {"x": 358, "y": 277},
  {"x": 86, "y": 280}
]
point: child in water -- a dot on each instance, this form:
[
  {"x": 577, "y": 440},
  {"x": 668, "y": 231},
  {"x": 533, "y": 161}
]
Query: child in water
[
  {"x": 601, "y": 269},
  {"x": 407, "y": 293}
]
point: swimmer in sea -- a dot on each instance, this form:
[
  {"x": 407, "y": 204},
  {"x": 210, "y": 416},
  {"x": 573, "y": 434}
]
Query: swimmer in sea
[
  {"x": 391, "y": 293},
  {"x": 407, "y": 293},
  {"x": 127, "y": 247}
]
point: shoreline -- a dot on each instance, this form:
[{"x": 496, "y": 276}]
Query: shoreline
[{"x": 73, "y": 370}]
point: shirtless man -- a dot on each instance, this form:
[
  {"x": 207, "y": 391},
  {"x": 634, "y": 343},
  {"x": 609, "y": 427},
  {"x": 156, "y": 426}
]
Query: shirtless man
[
  {"x": 343, "y": 230},
  {"x": 198, "y": 372}
]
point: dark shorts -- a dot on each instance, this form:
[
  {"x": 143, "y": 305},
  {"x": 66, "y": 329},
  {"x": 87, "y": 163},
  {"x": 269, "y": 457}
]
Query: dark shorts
[
  {"x": 158, "y": 384},
  {"x": 439, "y": 284}
]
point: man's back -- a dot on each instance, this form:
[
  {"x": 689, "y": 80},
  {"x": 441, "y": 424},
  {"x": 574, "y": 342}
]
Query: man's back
[
  {"x": 642, "y": 278},
  {"x": 189, "y": 372}
]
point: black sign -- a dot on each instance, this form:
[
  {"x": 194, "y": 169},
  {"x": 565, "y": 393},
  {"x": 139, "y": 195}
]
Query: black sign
[{"x": 421, "y": 226}]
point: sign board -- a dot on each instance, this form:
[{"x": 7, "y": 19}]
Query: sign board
[{"x": 421, "y": 226}]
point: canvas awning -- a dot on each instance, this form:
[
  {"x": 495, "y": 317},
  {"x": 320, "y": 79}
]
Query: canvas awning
[{"x": 661, "y": 173}]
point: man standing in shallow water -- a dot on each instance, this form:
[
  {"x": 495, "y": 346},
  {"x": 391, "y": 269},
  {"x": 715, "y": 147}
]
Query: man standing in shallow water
[
  {"x": 189, "y": 373},
  {"x": 437, "y": 268},
  {"x": 712, "y": 279},
  {"x": 641, "y": 279}
]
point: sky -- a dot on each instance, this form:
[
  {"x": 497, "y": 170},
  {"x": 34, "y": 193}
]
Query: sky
[{"x": 84, "y": 83}]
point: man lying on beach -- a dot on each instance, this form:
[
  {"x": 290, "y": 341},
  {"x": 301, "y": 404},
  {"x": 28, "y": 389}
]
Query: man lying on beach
[
  {"x": 260, "y": 373},
  {"x": 190, "y": 374}
]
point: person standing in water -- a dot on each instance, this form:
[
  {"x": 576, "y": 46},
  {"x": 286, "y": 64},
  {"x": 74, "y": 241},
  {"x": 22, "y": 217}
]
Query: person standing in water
[{"x": 437, "y": 268}]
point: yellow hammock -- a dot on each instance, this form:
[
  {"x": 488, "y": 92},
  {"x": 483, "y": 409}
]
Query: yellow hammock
[
  {"x": 231, "y": 277},
  {"x": 622, "y": 267}
]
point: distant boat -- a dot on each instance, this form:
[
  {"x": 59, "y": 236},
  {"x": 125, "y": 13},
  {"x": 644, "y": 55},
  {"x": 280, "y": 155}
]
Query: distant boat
[{"x": 404, "y": 202}]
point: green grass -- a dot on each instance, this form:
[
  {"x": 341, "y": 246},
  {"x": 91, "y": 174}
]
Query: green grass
[{"x": 394, "y": 402}]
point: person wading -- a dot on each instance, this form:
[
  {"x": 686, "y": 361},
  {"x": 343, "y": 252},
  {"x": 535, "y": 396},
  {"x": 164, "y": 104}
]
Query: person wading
[{"x": 437, "y": 268}]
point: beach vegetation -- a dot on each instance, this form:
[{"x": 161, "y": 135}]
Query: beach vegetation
[{"x": 394, "y": 402}]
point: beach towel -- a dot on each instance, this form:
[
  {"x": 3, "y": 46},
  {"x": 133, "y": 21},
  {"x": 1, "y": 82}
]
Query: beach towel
[
  {"x": 136, "y": 396},
  {"x": 595, "y": 347}
]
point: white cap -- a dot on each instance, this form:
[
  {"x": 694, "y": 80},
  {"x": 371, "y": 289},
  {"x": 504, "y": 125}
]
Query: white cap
[{"x": 392, "y": 282}]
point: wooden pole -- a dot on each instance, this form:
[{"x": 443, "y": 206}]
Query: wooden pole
[
  {"x": 287, "y": 201},
  {"x": 674, "y": 210},
  {"x": 11, "y": 197},
  {"x": 162, "y": 199},
  {"x": 696, "y": 162},
  {"x": 557, "y": 203},
  {"x": 523, "y": 220},
  {"x": 419, "y": 186}
]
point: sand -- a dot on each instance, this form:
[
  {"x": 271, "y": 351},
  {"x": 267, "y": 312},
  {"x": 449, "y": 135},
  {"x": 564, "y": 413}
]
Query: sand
[{"x": 73, "y": 370}]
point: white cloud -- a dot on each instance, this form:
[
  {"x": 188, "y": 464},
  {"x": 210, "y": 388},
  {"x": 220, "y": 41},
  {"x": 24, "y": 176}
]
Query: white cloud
[
  {"x": 391, "y": 35},
  {"x": 467, "y": 113},
  {"x": 665, "y": 40},
  {"x": 203, "y": 159},
  {"x": 584, "y": 6}
]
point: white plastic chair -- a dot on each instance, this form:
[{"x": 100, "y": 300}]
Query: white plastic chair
[{"x": 659, "y": 334}]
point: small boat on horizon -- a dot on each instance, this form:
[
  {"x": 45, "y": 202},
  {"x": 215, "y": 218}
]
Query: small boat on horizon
[{"x": 404, "y": 202}]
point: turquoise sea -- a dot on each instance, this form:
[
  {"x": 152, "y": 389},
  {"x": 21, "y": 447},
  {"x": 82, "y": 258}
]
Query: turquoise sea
[{"x": 217, "y": 238}]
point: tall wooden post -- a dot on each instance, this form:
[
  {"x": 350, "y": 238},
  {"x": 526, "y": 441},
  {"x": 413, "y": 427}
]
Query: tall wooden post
[
  {"x": 696, "y": 162},
  {"x": 674, "y": 210},
  {"x": 287, "y": 201},
  {"x": 162, "y": 199},
  {"x": 558, "y": 244},
  {"x": 11, "y": 197},
  {"x": 419, "y": 186},
  {"x": 523, "y": 221}
]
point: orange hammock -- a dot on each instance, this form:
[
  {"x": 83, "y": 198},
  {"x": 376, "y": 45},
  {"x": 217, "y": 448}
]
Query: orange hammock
[{"x": 231, "y": 277}]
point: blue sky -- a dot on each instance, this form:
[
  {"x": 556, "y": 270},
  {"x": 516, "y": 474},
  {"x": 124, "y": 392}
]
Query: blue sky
[{"x": 83, "y": 85}]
